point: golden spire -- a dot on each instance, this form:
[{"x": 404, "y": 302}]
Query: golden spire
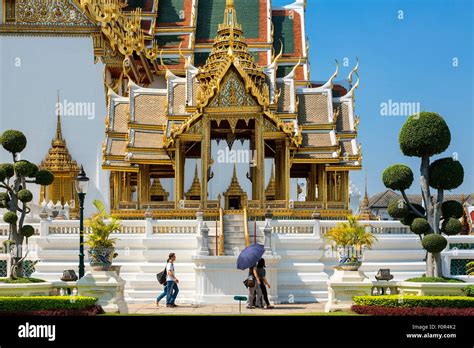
[
  {"x": 234, "y": 188},
  {"x": 271, "y": 188},
  {"x": 59, "y": 133},
  {"x": 58, "y": 158},
  {"x": 364, "y": 206},
  {"x": 158, "y": 190},
  {"x": 195, "y": 189}
]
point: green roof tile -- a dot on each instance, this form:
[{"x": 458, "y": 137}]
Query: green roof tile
[
  {"x": 200, "y": 58},
  {"x": 211, "y": 14},
  {"x": 284, "y": 31},
  {"x": 168, "y": 40},
  {"x": 170, "y": 11},
  {"x": 145, "y": 5},
  {"x": 284, "y": 70}
]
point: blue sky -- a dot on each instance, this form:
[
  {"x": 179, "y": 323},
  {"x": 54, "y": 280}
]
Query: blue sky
[{"x": 403, "y": 60}]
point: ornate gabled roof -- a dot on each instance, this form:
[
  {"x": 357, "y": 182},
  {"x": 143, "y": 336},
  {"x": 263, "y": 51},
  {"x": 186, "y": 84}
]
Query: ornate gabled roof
[
  {"x": 58, "y": 158},
  {"x": 234, "y": 188},
  {"x": 230, "y": 49},
  {"x": 195, "y": 189}
]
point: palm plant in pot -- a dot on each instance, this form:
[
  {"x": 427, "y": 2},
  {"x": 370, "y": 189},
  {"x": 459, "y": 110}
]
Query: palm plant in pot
[
  {"x": 101, "y": 247},
  {"x": 350, "y": 238}
]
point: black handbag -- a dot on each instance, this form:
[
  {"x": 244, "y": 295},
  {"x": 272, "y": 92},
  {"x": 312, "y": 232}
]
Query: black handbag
[
  {"x": 161, "y": 277},
  {"x": 249, "y": 282}
]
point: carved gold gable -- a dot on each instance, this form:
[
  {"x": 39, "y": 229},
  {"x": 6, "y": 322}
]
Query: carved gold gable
[{"x": 232, "y": 92}]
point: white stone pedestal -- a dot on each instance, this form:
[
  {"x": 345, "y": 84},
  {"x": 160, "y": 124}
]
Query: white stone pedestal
[
  {"x": 218, "y": 280},
  {"x": 342, "y": 286},
  {"x": 107, "y": 286}
]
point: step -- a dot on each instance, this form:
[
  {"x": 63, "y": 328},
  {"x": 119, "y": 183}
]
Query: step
[
  {"x": 394, "y": 266},
  {"x": 289, "y": 266}
]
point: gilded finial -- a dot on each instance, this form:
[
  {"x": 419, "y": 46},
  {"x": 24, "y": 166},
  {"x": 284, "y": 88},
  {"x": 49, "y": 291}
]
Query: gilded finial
[{"x": 59, "y": 133}]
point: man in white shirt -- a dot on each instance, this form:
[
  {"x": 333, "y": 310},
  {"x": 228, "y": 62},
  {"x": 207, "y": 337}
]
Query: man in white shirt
[{"x": 171, "y": 282}]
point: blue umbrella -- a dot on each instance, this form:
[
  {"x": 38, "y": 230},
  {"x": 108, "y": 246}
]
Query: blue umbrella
[{"x": 250, "y": 256}]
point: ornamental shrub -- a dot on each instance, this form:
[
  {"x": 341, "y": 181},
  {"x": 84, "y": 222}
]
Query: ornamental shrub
[
  {"x": 25, "y": 196},
  {"x": 10, "y": 217},
  {"x": 452, "y": 209},
  {"x": 44, "y": 177},
  {"x": 424, "y": 134},
  {"x": 446, "y": 174},
  {"x": 420, "y": 226},
  {"x": 415, "y": 311},
  {"x": 434, "y": 243},
  {"x": 397, "y": 208},
  {"x": 415, "y": 301},
  {"x": 398, "y": 177},
  {"x": 451, "y": 226},
  {"x": 13, "y": 141},
  {"x": 34, "y": 303},
  {"x": 25, "y": 168},
  {"x": 27, "y": 231}
]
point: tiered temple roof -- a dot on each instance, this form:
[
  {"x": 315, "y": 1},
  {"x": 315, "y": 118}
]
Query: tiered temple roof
[{"x": 318, "y": 116}]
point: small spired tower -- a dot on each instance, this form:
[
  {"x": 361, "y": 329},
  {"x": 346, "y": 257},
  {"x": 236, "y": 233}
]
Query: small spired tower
[
  {"x": 157, "y": 192},
  {"x": 270, "y": 192},
  {"x": 65, "y": 169},
  {"x": 235, "y": 196},
  {"x": 364, "y": 210},
  {"x": 194, "y": 193}
]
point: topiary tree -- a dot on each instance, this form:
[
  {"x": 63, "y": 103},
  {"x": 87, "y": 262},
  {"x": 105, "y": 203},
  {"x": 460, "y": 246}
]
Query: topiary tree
[
  {"x": 424, "y": 135},
  {"x": 13, "y": 179}
]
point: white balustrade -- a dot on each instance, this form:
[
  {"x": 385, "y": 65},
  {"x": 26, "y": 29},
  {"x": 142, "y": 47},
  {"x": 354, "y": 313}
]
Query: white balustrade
[{"x": 293, "y": 226}]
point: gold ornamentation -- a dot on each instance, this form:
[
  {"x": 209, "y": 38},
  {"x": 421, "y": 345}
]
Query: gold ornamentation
[{"x": 49, "y": 12}]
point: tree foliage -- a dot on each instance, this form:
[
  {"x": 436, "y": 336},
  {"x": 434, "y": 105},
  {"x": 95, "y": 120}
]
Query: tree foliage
[
  {"x": 424, "y": 134},
  {"x": 398, "y": 177},
  {"x": 13, "y": 180},
  {"x": 434, "y": 243},
  {"x": 446, "y": 174}
]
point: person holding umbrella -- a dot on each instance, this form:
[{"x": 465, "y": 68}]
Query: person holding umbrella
[{"x": 247, "y": 259}]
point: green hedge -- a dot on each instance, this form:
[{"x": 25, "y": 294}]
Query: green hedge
[
  {"x": 434, "y": 280},
  {"x": 469, "y": 290},
  {"x": 21, "y": 280},
  {"x": 36, "y": 303},
  {"x": 415, "y": 301}
]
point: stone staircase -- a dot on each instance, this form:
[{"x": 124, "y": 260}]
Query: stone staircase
[
  {"x": 140, "y": 260},
  {"x": 234, "y": 237}
]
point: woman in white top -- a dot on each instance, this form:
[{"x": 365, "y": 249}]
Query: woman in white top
[{"x": 171, "y": 282}]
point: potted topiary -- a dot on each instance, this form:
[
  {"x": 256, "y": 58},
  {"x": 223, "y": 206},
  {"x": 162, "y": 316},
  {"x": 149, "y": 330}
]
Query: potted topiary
[
  {"x": 101, "y": 247},
  {"x": 350, "y": 238}
]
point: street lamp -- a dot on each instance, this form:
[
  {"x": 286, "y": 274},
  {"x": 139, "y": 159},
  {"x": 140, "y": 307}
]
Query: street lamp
[{"x": 82, "y": 183}]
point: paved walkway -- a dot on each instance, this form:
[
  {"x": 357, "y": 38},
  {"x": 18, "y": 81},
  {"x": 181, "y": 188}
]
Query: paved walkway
[{"x": 188, "y": 309}]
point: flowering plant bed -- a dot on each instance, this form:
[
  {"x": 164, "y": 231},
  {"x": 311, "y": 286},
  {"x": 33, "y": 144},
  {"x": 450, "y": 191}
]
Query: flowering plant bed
[
  {"x": 412, "y": 311},
  {"x": 411, "y": 301}
]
